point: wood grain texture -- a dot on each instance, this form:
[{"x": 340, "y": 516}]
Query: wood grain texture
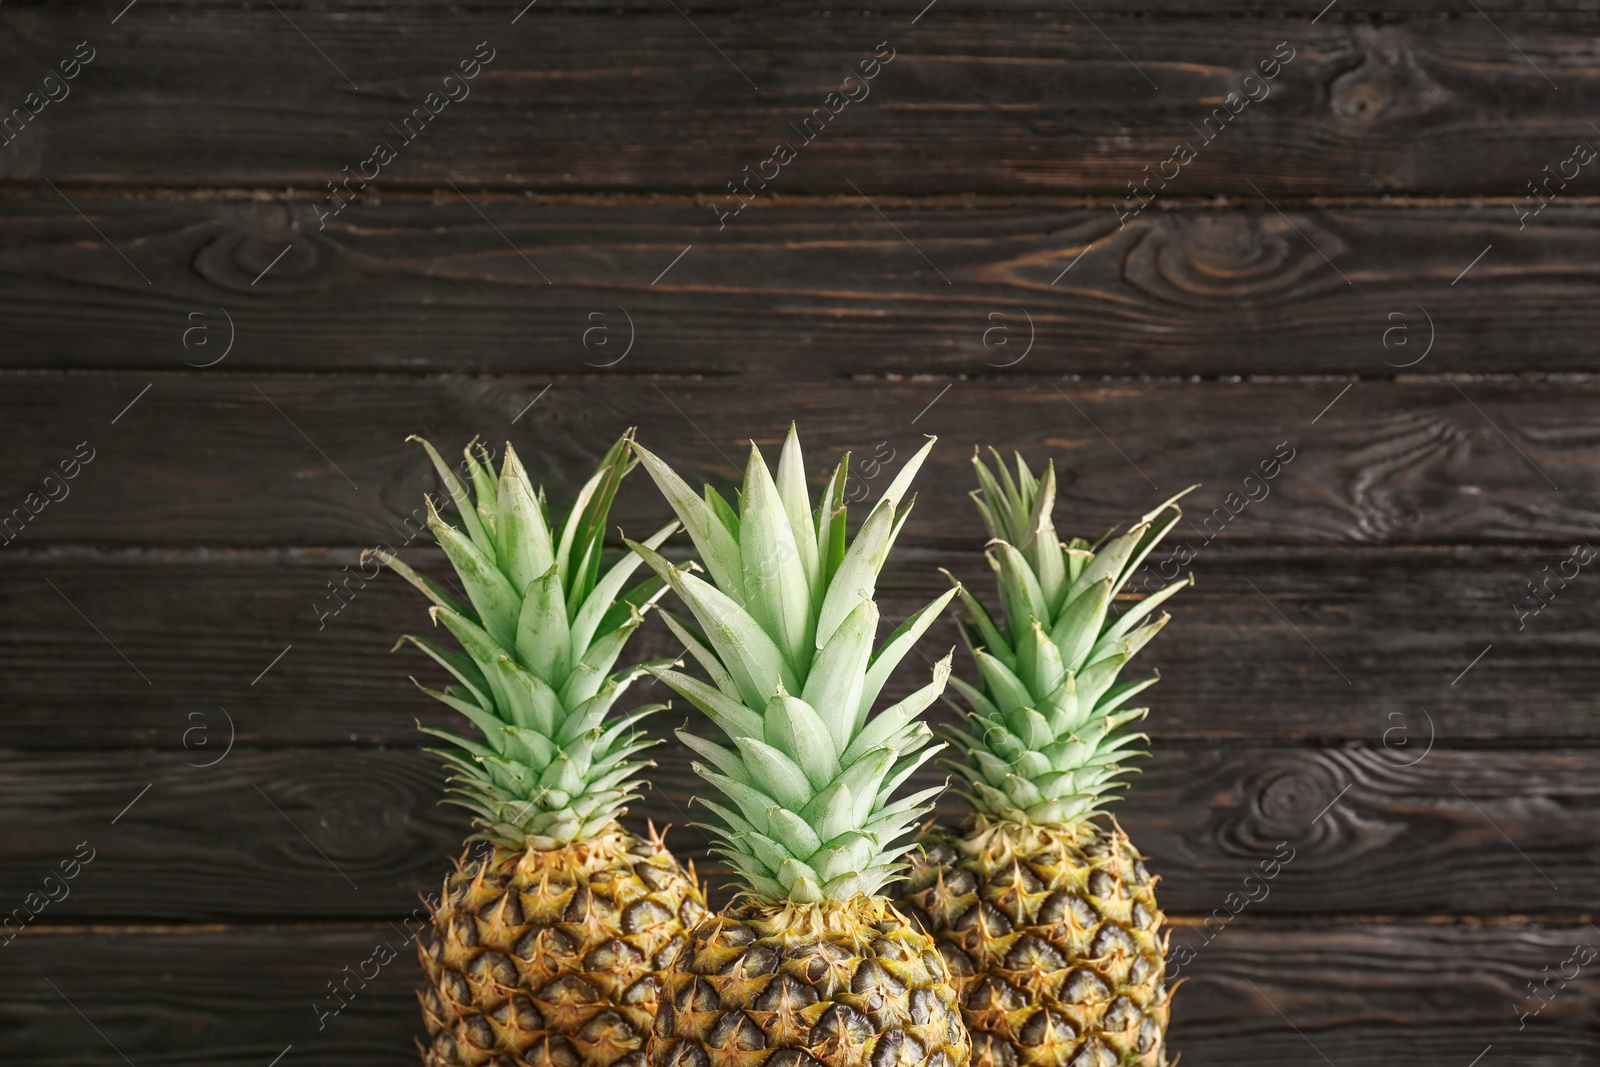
[
  {"x": 902, "y": 12},
  {"x": 355, "y": 832},
  {"x": 807, "y": 288},
  {"x": 1348, "y": 682},
  {"x": 1382, "y": 994},
  {"x": 972, "y": 103},
  {"x": 1243, "y": 658},
  {"x": 1260, "y": 994},
  {"x": 300, "y": 460}
]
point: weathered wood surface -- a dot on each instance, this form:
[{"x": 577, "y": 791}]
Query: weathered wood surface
[
  {"x": 973, "y": 102},
  {"x": 902, "y": 12},
  {"x": 804, "y": 287},
  {"x": 1386, "y": 994},
  {"x": 347, "y": 832},
  {"x": 1367, "y": 607},
  {"x": 1360, "y": 995},
  {"x": 319, "y": 460},
  {"x": 204, "y": 630}
]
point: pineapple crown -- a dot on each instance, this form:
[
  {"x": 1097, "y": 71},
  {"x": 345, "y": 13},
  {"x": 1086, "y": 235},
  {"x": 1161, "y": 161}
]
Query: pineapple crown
[
  {"x": 539, "y": 635},
  {"x": 786, "y": 627},
  {"x": 1047, "y": 736}
]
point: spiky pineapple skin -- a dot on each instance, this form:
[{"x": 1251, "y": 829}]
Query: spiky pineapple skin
[
  {"x": 765, "y": 985},
  {"x": 1054, "y": 937},
  {"x": 550, "y": 958}
]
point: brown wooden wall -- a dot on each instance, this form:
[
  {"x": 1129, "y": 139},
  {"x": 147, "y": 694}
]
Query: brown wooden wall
[{"x": 1384, "y": 265}]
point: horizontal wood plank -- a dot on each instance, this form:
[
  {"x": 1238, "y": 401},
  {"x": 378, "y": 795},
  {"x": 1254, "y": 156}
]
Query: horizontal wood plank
[
  {"x": 330, "y": 833},
  {"x": 902, "y": 12},
  {"x": 1268, "y": 644},
  {"x": 197, "y": 459},
  {"x": 1262, "y": 994},
  {"x": 804, "y": 288},
  {"x": 1365, "y": 995},
  {"x": 973, "y": 102}
]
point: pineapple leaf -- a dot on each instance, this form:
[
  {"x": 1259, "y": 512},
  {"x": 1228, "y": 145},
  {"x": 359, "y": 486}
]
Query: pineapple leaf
[
  {"x": 590, "y": 672},
  {"x": 458, "y": 664},
  {"x": 776, "y": 591},
  {"x": 831, "y": 522},
  {"x": 902, "y": 481},
  {"x": 1005, "y": 688},
  {"x": 1110, "y": 561},
  {"x": 529, "y": 702},
  {"x": 482, "y": 474},
  {"x": 458, "y": 496},
  {"x": 429, "y": 588},
  {"x": 725, "y": 760},
  {"x": 894, "y": 649},
  {"x": 491, "y": 594},
  {"x": 732, "y": 717},
  {"x": 751, "y": 801},
  {"x": 525, "y": 551},
  {"x": 980, "y": 703},
  {"x": 703, "y": 655},
  {"x": 794, "y": 832},
  {"x": 478, "y": 644},
  {"x": 1122, "y": 692},
  {"x": 544, "y": 639},
  {"x": 737, "y": 824},
  {"x": 797, "y": 509},
  {"x": 641, "y": 598},
  {"x": 993, "y": 641},
  {"x": 1019, "y": 591},
  {"x": 774, "y": 773},
  {"x": 1078, "y": 626},
  {"x": 836, "y": 679},
  {"x": 1130, "y": 618},
  {"x": 882, "y": 730},
  {"x": 857, "y": 576},
  {"x": 749, "y": 655},
  {"x": 491, "y": 727},
  {"x": 793, "y": 727},
  {"x": 723, "y": 510},
  {"x": 716, "y": 544},
  {"x": 606, "y": 594}
]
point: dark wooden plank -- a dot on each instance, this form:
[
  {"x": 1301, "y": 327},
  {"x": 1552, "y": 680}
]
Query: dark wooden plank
[
  {"x": 261, "y": 834},
  {"x": 804, "y": 287},
  {"x": 1355, "y": 994},
  {"x": 902, "y": 12},
  {"x": 304, "y": 460},
  {"x": 1391, "y": 828},
  {"x": 217, "y": 996},
  {"x": 204, "y": 629},
  {"x": 359, "y": 832},
  {"x": 973, "y": 102},
  {"x": 1392, "y": 993}
]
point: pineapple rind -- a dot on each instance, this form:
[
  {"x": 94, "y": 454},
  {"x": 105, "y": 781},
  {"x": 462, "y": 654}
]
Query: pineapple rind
[
  {"x": 550, "y": 956},
  {"x": 1048, "y": 918},
  {"x": 1053, "y": 936},
  {"x": 839, "y": 983},
  {"x": 785, "y": 634}
]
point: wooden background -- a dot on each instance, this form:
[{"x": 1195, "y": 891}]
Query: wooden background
[{"x": 1344, "y": 269}]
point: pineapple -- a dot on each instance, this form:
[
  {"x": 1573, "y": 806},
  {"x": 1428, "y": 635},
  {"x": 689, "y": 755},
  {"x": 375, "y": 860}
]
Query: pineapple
[
  {"x": 1042, "y": 908},
  {"x": 810, "y": 965},
  {"x": 547, "y": 938}
]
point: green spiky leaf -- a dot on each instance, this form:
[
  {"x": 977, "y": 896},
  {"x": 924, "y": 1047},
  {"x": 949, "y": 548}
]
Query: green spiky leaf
[
  {"x": 787, "y": 626},
  {"x": 1045, "y": 740},
  {"x": 539, "y": 642}
]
